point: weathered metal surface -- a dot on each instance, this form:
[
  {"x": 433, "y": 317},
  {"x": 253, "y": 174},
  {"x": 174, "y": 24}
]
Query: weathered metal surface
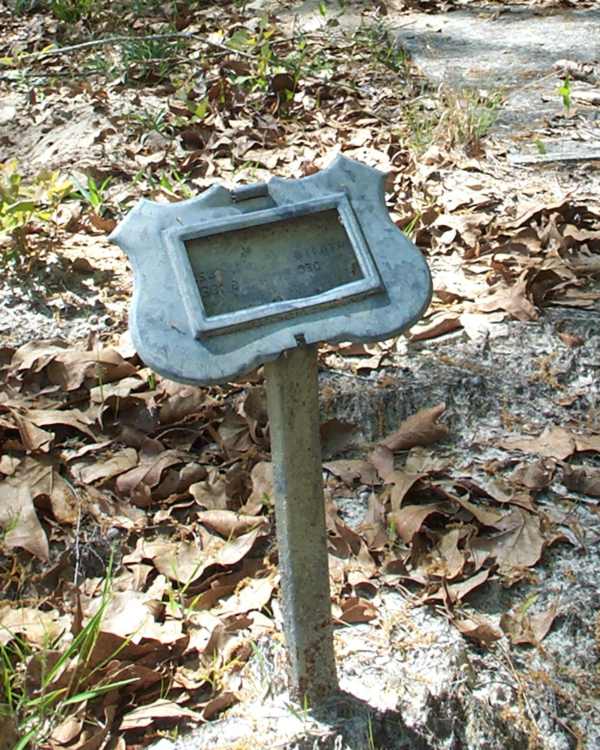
[
  {"x": 271, "y": 265},
  {"x": 226, "y": 281},
  {"x": 293, "y": 403}
]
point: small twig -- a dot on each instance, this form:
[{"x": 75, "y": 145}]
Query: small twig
[
  {"x": 124, "y": 39},
  {"x": 521, "y": 684}
]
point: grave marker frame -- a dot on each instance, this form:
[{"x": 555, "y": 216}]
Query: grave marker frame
[{"x": 259, "y": 275}]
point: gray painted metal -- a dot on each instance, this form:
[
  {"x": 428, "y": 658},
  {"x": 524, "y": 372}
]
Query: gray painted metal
[
  {"x": 226, "y": 281},
  {"x": 293, "y": 404}
]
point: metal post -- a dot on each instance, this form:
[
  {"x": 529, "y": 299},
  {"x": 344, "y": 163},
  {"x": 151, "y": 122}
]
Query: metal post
[{"x": 293, "y": 404}]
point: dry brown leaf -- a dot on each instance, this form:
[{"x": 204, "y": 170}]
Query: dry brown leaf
[
  {"x": 435, "y": 325},
  {"x": 212, "y": 493},
  {"x": 402, "y": 482},
  {"x": 336, "y": 436},
  {"x": 554, "y": 442},
  {"x": 455, "y": 592},
  {"x": 262, "y": 488},
  {"x": 94, "y": 469},
  {"x": 485, "y": 516},
  {"x": 161, "y": 710},
  {"x": 478, "y": 629},
  {"x": 448, "y": 558},
  {"x": 535, "y": 475},
  {"x": 19, "y": 519},
  {"x": 408, "y": 520},
  {"x": 518, "y": 545},
  {"x": 515, "y": 300},
  {"x": 585, "y": 480},
  {"x": 382, "y": 459},
  {"x": 350, "y": 471},
  {"x": 421, "y": 428},
  {"x": 355, "y": 610},
  {"x": 219, "y": 703},
  {"x": 229, "y": 524},
  {"x": 524, "y": 628},
  {"x": 33, "y": 625}
]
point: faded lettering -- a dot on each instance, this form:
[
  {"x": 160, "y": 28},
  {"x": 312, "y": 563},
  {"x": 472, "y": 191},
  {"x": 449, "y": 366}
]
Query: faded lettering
[{"x": 288, "y": 259}]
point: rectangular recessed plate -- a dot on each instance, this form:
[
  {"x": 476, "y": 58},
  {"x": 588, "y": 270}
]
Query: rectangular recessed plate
[{"x": 274, "y": 263}]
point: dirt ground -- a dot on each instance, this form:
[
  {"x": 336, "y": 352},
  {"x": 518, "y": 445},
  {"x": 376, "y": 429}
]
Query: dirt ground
[{"x": 493, "y": 163}]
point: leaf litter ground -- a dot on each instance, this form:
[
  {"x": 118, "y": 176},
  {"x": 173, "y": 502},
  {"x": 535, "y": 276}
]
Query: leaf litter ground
[{"x": 463, "y": 544}]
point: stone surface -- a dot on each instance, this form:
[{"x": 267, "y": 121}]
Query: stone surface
[{"x": 502, "y": 48}]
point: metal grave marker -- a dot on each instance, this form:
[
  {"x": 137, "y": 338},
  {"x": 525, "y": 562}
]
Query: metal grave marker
[{"x": 233, "y": 279}]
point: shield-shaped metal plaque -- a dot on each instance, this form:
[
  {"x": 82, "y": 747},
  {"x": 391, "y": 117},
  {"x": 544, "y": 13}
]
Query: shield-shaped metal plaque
[{"x": 227, "y": 280}]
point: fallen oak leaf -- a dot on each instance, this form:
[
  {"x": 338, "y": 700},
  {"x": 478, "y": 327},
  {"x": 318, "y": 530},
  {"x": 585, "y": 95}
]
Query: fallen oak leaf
[
  {"x": 219, "y": 703},
  {"x": 436, "y": 325},
  {"x": 408, "y": 520},
  {"x": 513, "y": 299},
  {"x": 585, "y": 480},
  {"x": 19, "y": 519},
  {"x": 518, "y": 545},
  {"x": 35, "y": 626},
  {"x": 402, "y": 482},
  {"x": 536, "y": 475},
  {"x": 351, "y": 470},
  {"x": 421, "y": 429},
  {"x": 554, "y": 442},
  {"x": 478, "y": 629},
  {"x": 455, "y": 592},
  {"x": 161, "y": 710},
  {"x": 34, "y": 439},
  {"x": 382, "y": 459},
  {"x": 353, "y": 610},
  {"x": 104, "y": 469},
  {"x": 262, "y": 488},
  {"x": 68, "y": 418},
  {"x": 336, "y": 436},
  {"x": 485, "y": 516},
  {"x": 229, "y": 524},
  {"x": 523, "y": 628}
]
